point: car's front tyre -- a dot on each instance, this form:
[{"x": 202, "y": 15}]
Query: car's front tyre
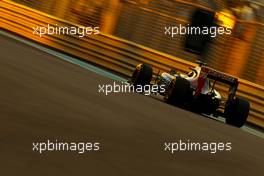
[{"x": 142, "y": 75}]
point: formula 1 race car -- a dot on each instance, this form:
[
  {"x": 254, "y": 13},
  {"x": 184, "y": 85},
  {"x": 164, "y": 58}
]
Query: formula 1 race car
[{"x": 196, "y": 91}]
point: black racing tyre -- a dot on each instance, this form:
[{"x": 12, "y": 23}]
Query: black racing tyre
[
  {"x": 142, "y": 75},
  {"x": 179, "y": 91},
  {"x": 237, "y": 112}
]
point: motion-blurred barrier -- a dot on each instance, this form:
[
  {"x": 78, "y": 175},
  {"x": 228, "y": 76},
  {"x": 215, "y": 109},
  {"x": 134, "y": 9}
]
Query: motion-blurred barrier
[
  {"x": 143, "y": 22},
  {"x": 110, "y": 52},
  {"x": 240, "y": 54}
]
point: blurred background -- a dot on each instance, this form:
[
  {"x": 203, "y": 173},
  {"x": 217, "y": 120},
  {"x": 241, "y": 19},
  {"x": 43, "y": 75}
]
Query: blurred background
[{"x": 142, "y": 21}]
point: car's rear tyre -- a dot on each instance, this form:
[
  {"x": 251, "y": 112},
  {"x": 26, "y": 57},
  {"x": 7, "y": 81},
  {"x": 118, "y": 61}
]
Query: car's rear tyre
[
  {"x": 237, "y": 112},
  {"x": 179, "y": 92},
  {"x": 142, "y": 75}
]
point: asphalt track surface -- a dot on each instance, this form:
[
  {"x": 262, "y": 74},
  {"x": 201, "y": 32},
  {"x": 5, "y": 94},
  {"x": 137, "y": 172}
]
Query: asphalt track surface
[{"x": 43, "y": 97}]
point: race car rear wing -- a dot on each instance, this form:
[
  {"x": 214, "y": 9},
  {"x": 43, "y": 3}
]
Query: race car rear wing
[{"x": 210, "y": 73}]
